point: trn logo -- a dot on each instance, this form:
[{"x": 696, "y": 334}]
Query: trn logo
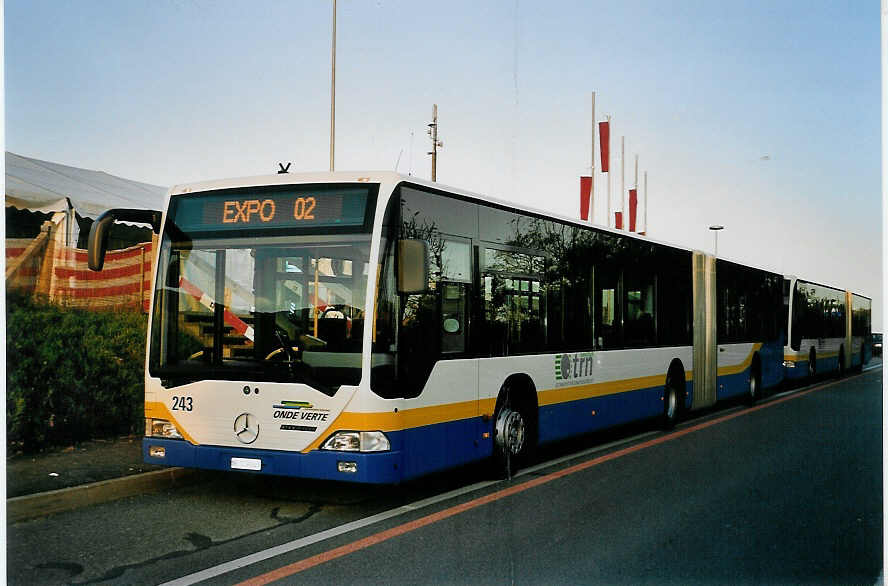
[{"x": 571, "y": 367}]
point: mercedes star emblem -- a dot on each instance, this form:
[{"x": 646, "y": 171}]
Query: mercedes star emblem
[{"x": 246, "y": 428}]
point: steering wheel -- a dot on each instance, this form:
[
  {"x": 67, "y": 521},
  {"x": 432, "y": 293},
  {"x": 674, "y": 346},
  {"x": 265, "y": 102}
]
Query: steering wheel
[
  {"x": 286, "y": 348},
  {"x": 332, "y": 313}
]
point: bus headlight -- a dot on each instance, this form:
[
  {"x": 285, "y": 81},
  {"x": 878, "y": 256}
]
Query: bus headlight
[
  {"x": 789, "y": 364},
  {"x": 357, "y": 441},
  {"x": 161, "y": 428}
]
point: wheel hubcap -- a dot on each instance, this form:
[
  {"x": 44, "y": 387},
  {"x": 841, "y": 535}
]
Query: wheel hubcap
[
  {"x": 510, "y": 431},
  {"x": 671, "y": 403}
]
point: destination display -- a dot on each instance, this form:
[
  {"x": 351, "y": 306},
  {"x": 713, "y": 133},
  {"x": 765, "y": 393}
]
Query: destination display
[{"x": 322, "y": 206}]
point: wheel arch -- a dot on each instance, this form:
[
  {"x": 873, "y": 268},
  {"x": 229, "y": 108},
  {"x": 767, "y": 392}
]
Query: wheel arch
[
  {"x": 521, "y": 390},
  {"x": 756, "y": 367},
  {"x": 675, "y": 374}
]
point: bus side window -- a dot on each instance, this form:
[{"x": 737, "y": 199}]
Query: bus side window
[
  {"x": 640, "y": 307},
  {"x": 607, "y": 308},
  {"x": 453, "y": 318},
  {"x": 513, "y": 295}
]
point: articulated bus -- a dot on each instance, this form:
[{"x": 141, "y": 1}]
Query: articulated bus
[
  {"x": 828, "y": 330},
  {"x": 376, "y": 327}
]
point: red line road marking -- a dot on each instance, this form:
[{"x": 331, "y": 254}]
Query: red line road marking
[{"x": 366, "y": 542}]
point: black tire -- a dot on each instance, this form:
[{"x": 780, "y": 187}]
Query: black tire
[
  {"x": 513, "y": 437},
  {"x": 812, "y": 364},
  {"x": 754, "y": 389},
  {"x": 671, "y": 403}
]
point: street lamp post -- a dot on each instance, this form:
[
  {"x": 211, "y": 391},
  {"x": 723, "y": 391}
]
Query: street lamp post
[
  {"x": 333, "y": 94},
  {"x": 716, "y": 228}
]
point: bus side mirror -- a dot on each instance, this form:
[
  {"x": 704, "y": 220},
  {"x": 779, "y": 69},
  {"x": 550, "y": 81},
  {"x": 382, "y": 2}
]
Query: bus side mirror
[
  {"x": 413, "y": 266},
  {"x": 98, "y": 241},
  {"x": 98, "y": 232}
]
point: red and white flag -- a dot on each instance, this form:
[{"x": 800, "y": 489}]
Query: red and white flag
[
  {"x": 585, "y": 196},
  {"x": 633, "y": 205},
  {"x": 604, "y": 137}
]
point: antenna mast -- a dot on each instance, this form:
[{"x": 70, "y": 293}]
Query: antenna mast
[{"x": 433, "y": 134}]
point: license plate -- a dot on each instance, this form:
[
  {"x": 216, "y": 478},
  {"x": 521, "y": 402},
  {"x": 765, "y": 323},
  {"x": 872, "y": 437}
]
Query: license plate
[{"x": 246, "y": 464}]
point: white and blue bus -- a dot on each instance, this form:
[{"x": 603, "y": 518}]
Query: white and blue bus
[
  {"x": 375, "y": 327},
  {"x": 828, "y": 330}
]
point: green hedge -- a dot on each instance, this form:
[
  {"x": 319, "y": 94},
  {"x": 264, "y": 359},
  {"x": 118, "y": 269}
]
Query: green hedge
[{"x": 72, "y": 375}]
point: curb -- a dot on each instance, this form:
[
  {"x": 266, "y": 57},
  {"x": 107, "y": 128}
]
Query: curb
[{"x": 30, "y": 506}]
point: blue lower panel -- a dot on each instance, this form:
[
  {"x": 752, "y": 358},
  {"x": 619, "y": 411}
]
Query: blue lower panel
[
  {"x": 563, "y": 420},
  {"x": 732, "y": 385},
  {"x": 379, "y": 468},
  {"x": 421, "y": 450},
  {"x": 800, "y": 370},
  {"x": 824, "y": 366},
  {"x": 437, "y": 447},
  {"x": 771, "y": 361}
]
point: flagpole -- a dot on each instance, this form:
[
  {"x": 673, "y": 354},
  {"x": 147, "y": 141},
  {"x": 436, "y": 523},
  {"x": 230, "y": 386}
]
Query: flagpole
[
  {"x": 636, "y": 171},
  {"x": 333, "y": 95},
  {"x": 646, "y": 203},
  {"x": 609, "y": 190},
  {"x": 592, "y": 196},
  {"x": 623, "y": 177},
  {"x": 634, "y": 208}
]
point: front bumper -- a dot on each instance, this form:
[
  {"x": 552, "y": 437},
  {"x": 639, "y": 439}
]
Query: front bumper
[{"x": 372, "y": 468}]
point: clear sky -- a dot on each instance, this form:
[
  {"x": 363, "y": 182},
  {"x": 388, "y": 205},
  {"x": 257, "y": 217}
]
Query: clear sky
[{"x": 763, "y": 116}]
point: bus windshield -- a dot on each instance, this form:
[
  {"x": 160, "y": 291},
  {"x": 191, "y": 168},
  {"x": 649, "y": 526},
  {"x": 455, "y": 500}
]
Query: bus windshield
[{"x": 282, "y": 306}]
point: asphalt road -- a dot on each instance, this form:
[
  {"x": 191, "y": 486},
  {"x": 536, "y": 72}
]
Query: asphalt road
[{"x": 789, "y": 492}]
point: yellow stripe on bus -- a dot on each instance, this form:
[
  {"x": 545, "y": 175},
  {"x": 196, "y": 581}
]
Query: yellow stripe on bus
[
  {"x": 406, "y": 419},
  {"x": 738, "y": 368},
  {"x": 804, "y": 357},
  {"x": 567, "y": 394},
  {"x": 423, "y": 416}
]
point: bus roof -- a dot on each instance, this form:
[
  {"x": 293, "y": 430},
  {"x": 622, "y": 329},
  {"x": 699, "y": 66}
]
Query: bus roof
[
  {"x": 834, "y": 288},
  {"x": 393, "y": 179}
]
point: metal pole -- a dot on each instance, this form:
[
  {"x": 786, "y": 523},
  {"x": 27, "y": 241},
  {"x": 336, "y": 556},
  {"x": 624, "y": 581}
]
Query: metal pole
[
  {"x": 592, "y": 173},
  {"x": 317, "y": 298},
  {"x": 610, "y": 213},
  {"x": 636, "y": 172},
  {"x": 333, "y": 94},
  {"x": 646, "y": 203},
  {"x": 716, "y": 229},
  {"x": 142, "y": 281},
  {"x": 623, "y": 177},
  {"x": 434, "y": 142}
]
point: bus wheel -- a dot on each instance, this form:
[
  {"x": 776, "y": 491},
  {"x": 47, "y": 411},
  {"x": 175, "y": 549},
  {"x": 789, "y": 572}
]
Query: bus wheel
[
  {"x": 511, "y": 437},
  {"x": 812, "y": 364},
  {"x": 671, "y": 406},
  {"x": 755, "y": 380}
]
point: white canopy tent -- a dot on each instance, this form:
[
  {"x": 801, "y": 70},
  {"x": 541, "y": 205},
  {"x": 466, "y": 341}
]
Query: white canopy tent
[{"x": 41, "y": 186}]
